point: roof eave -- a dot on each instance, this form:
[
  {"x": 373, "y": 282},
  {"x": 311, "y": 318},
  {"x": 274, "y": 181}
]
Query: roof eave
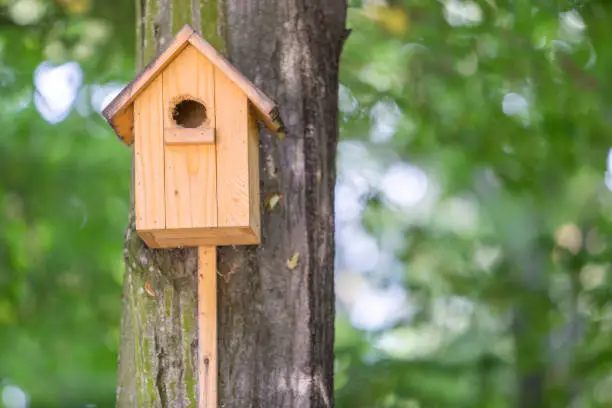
[{"x": 116, "y": 111}]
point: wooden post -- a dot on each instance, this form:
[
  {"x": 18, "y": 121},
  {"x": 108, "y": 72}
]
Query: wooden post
[{"x": 207, "y": 326}]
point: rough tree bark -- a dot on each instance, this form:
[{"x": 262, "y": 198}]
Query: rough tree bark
[{"x": 275, "y": 322}]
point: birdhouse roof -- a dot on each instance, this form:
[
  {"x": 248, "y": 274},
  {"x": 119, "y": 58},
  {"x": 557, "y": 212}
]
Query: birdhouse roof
[{"x": 120, "y": 111}]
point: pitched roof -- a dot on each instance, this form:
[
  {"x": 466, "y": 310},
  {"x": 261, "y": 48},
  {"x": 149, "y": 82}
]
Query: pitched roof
[{"x": 120, "y": 111}]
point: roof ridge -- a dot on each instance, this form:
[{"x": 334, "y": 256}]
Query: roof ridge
[{"x": 119, "y": 112}]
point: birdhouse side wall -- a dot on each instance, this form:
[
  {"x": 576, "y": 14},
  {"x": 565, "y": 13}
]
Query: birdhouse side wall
[
  {"x": 149, "y": 192},
  {"x": 254, "y": 196}
]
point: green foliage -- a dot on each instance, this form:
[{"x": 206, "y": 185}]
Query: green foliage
[
  {"x": 503, "y": 261},
  {"x": 64, "y": 201}
]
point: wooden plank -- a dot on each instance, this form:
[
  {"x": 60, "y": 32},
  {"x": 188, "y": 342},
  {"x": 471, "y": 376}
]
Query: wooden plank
[
  {"x": 226, "y": 240},
  {"x": 266, "y": 107},
  {"x": 190, "y": 169},
  {"x": 216, "y": 233},
  {"x": 232, "y": 153},
  {"x": 182, "y": 136},
  {"x": 118, "y": 110},
  {"x": 149, "y": 239},
  {"x": 229, "y": 236},
  {"x": 190, "y": 186},
  {"x": 253, "y": 150},
  {"x": 207, "y": 326},
  {"x": 194, "y": 237},
  {"x": 149, "y": 159}
]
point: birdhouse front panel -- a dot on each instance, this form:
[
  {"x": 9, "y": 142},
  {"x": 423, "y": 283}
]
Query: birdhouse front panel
[
  {"x": 196, "y": 172},
  {"x": 193, "y": 120}
]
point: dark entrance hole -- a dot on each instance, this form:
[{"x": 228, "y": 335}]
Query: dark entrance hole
[{"x": 189, "y": 113}]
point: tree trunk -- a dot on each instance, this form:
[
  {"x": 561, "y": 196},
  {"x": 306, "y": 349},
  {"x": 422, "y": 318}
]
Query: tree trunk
[{"x": 275, "y": 318}]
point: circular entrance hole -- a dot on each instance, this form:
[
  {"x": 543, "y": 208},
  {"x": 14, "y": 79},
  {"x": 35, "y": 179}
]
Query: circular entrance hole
[{"x": 189, "y": 113}]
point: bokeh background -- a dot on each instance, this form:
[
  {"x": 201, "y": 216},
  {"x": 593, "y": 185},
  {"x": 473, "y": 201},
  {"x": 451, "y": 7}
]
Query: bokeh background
[{"x": 473, "y": 204}]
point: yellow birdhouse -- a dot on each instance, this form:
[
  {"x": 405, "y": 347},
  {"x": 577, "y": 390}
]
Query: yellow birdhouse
[{"x": 192, "y": 118}]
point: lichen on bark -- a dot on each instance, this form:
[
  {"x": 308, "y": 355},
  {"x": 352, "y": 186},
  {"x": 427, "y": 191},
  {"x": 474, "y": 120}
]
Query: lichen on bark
[
  {"x": 212, "y": 22},
  {"x": 158, "y": 355}
]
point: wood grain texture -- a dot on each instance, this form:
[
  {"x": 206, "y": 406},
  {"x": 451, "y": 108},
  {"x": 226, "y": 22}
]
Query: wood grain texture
[
  {"x": 191, "y": 175},
  {"x": 207, "y": 326},
  {"x": 232, "y": 153},
  {"x": 193, "y": 237},
  {"x": 180, "y": 136},
  {"x": 190, "y": 186},
  {"x": 149, "y": 190}
]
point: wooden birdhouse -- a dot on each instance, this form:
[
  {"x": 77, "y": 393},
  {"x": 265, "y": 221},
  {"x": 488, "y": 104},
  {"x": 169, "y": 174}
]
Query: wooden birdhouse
[{"x": 192, "y": 118}]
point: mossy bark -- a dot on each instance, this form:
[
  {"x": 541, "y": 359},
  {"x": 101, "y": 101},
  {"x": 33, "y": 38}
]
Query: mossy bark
[{"x": 275, "y": 322}]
